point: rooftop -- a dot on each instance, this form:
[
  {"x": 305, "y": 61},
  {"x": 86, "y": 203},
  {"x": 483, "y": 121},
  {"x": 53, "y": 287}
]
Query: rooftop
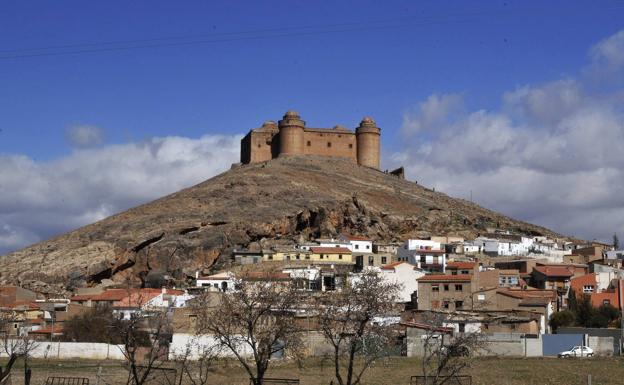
[
  {"x": 330, "y": 250},
  {"x": 445, "y": 278}
]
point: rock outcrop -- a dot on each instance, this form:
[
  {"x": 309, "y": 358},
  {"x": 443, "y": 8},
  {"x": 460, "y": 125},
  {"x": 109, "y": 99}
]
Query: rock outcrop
[{"x": 281, "y": 201}]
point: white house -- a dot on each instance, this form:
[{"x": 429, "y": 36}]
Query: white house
[
  {"x": 404, "y": 274},
  {"x": 425, "y": 254},
  {"x": 357, "y": 244},
  {"x": 224, "y": 281}
]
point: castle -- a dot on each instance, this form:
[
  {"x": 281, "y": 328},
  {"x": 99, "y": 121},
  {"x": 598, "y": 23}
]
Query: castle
[{"x": 291, "y": 137}]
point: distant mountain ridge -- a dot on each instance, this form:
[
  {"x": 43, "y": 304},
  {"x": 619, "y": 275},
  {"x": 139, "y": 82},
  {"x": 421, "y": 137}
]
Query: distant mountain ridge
[{"x": 285, "y": 200}]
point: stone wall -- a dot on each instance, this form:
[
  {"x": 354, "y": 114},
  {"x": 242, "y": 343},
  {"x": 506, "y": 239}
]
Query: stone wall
[{"x": 602, "y": 346}]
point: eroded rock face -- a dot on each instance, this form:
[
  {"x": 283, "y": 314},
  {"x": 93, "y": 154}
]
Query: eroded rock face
[{"x": 283, "y": 201}]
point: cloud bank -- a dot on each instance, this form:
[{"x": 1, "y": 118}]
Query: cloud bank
[
  {"x": 551, "y": 154},
  {"x": 39, "y": 200}
]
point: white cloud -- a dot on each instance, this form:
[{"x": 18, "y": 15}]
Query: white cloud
[
  {"x": 608, "y": 54},
  {"x": 550, "y": 155},
  {"x": 38, "y": 200},
  {"x": 83, "y": 136}
]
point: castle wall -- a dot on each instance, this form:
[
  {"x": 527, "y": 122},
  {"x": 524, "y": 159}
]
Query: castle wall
[
  {"x": 327, "y": 143},
  {"x": 291, "y": 137},
  {"x": 256, "y": 147}
]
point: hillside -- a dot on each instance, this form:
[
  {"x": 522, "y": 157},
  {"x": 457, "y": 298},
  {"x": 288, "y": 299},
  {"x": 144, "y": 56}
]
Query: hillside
[{"x": 256, "y": 205}]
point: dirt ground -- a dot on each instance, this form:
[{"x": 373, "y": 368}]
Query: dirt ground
[{"x": 484, "y": 371}]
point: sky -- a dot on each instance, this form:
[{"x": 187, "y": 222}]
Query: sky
[{"x": 103, "y": 106}]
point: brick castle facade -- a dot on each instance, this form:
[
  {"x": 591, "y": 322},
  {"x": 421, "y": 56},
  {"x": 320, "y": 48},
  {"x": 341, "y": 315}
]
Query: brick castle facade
[{"x": 291, "y": 137}]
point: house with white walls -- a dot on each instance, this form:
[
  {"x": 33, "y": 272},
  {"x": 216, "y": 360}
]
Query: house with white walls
[
  {"x": 425, "y": 254},
  {"x": 404, "y": 274},
  {"x": 224, "y": 281}
]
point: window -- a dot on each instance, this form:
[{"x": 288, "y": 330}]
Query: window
[
  {"x": 270, "y": 257},
  {"x": 321, "y": 256},
  {"x": 462, "y": 327},
  {"x": 350, "y": 145},
  {"x": 367, "y": 247},
  {"x": 606, "y": 302},
  {"x": 309, "y": 143},
  {"x": 384, "y": 260},
  {"x": 481, "y": 297},
  {"x": 298, "y": 256},
  {"x": 464, "y": 272},
  {"x": 446, "y": 287},
  {"x": 357, "y": 247},
  {"x": 435, "y": 288},
  {"x": 339, "y": 256},
  {"x": 459, "y": 304},
  {"x": 259, "y": 145},
  {"x": 445, "y": 304},
  {"x": 371, "y": 260},
  {"x": 328, "y": 144},
  {"x": 307, "y": 256},
  {"x": 459, "y": 288},
  {"x": 588, "y": 289}
]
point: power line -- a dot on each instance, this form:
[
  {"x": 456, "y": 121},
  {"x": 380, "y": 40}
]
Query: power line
[
  {"x": 289, "y": 32},
  {"x": 258, "y": 34}
]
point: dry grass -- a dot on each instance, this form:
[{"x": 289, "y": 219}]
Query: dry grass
[{"x": 485, "y": 371}]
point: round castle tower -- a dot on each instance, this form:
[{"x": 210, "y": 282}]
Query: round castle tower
[
  {"x": 367, "y": 138},
  {"x": 291, "y": 135}
]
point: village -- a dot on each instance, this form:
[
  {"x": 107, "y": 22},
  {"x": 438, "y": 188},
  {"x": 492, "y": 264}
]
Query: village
[{"x": 522, "y": 296}]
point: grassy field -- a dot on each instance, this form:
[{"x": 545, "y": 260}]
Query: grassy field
[{"x": 485, "y": 371}]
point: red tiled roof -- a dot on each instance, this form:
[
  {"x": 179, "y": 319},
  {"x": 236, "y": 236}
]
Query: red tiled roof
[
  {"x": 445, "y": 278},
  {"x": 523, "y": 294},
  {"x": 23, "y": 305},
  {"x": 330, "y": 250},
  {"x": 555, "y": 271},
  {"x": 48, "y": 330},
  {"x": 391, "y": 266},
  {"x": 419, "y": 325},
  {"x": 137, "y": 298},
  {"x": 461, "y": 265},
  {"x": 107, "y": 295}
]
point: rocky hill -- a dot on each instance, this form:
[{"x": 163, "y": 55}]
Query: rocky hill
[{"x": 282, "y": 201}]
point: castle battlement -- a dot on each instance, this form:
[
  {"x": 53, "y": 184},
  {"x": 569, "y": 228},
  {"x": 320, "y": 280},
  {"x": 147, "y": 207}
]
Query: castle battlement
[{"x": 290, "y": 136}]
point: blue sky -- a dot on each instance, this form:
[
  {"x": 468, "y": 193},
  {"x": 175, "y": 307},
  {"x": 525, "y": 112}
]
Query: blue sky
[
  {"x": 478, "y": 48},
  {"x": 333, "y": 61}
]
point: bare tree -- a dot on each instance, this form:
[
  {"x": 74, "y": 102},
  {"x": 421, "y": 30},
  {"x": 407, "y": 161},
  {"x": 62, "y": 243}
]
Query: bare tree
[
  {"x": 352, "y": 322},
  {"x": 144, "y": 337},
  {"x": 256, "y": 320},
  {"x": 445, "y": 355},
  {"x": 18, "y": 344},
  {"x": 196, "y": 361}
]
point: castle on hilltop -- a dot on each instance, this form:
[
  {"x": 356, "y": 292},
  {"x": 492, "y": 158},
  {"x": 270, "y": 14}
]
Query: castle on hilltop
[{"x": 291, "y": 137}]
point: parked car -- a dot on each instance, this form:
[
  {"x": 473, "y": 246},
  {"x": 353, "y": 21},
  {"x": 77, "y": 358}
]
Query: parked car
[{"x": 577, "y": 351}]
